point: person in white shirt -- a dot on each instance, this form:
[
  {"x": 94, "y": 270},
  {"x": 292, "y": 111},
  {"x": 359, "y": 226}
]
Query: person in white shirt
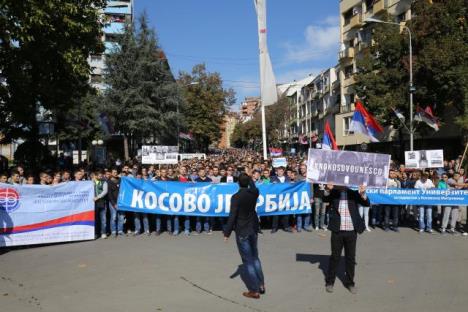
[{"x": 425, "y": 183}]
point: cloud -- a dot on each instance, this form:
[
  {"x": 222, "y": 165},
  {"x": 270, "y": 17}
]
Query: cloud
[{"x": 321, "y": 41}]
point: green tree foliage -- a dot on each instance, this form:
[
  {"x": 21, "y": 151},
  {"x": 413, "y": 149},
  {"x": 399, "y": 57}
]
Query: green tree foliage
[
  {"x": 441, "y": 46},
  {"x": 250, "y": 132},
  {"x": 206, "y": 104},
  {"x": 382, "y": 79},
  {"x": 440, "y": 55},
  {"x": 142, "y": 97},
  {"x": 44, "y": 46}
]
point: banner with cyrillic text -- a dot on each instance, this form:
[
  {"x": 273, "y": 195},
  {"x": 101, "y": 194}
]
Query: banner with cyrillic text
[
  {"x": 207, "y": 199},
  {"x": 42, "y": 214},
  {"x": 429, "y": 197}
]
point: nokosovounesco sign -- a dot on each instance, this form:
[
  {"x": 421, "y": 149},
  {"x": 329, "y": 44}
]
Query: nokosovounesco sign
[
  {"x": 347, "y": 168},
  {"x": 206, "y": 199}
]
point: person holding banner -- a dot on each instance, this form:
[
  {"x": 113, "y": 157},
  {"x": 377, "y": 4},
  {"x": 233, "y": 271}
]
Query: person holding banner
[
  {"x": 425, "y": 183},
  {"x": 244, "y": 220},
  {"x": 345, "y": 223},
  {"x": 100, "y": 196},
  {"x": 280, "y": 178}
]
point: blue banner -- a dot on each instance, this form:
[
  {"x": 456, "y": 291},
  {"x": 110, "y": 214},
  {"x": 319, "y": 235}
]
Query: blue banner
[
  {"x": 207, "y": 199},
  {"x": 429, "y": 197}
]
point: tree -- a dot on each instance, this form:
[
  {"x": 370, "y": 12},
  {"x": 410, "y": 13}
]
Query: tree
[
  {"x": 441, "y": 47},
  {"x": 143, "y": 96},
  {"x": 44, "y": 46},
  {"x": 206, "y": 103},
  {"x": 276, "y": 116},
  {"x": 382, "y": 76},
  {"x": 440, "y": 59}
]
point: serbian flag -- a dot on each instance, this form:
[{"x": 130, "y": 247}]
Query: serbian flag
[
  {"x": 363, "y": 122},
  {"x": 427, "y": 116},
  {"x": 328, "y": 142}
]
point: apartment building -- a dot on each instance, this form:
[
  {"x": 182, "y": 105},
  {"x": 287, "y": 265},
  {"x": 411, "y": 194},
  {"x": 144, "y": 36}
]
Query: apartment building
[
  {"x": 114, "y": 17},
  {"x": 355, "y": 37},
  {"x": 249, "y": 107},
  {"x": 312, "y": 102},
  {"x": 227, "y": 129}
]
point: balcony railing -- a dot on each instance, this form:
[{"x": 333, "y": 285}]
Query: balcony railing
[
  {"x": 378, "y": 7},
  {"x": 356, "y": 21},
  {"x": 348, "y": 53}
]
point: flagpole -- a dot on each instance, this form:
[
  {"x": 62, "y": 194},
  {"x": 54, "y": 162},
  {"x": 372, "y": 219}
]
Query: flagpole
[
  {"x": 463, "y": 157},
  {"x": 264, "y": 137}
]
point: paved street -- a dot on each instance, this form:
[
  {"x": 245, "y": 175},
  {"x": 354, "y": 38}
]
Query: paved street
[{"x": 395, "y": 272}]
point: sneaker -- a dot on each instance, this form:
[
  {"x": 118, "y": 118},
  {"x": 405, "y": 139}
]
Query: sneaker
[
  {"x": 148, "y": 233},
  {"x": 352, "y": 289},
  {"x": 136, "y": 233},
  {"x": 421, "y": 231},
  {"x": 430, "y": 231},
  {"x": 103, "y": 236},
  {"x": 209, "y": 232},
  {"x": 273, "y": 231},
  {"x": 175, "y": 233},
  {"x": 442, "y": 231},
  {"x": 316, "y": 228},
  {"x": 329, "y": 288},
  {"x": 120, "y": 233},
  {"x": 465, "y": 234},
  {"x": 368, "y": 230},
  {"x": 397, "y": 230},
  {"x": 308, "y": 229},
  {"x": 187, "y": 233},
  {"x": 386, "y": 229}
]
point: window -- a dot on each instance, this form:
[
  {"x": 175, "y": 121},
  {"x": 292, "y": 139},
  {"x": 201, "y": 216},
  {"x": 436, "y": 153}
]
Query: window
[
  {"x": 369, "y": 4},
  {"x": 348, "y": 71},
  {"x": 346, "y": 125},
  {"x": 347, "y": 16}
]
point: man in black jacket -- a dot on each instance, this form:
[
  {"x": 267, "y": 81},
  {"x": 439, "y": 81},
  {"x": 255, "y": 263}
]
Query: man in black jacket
[
  {"x": 345, "y": 223},
  {"x": 243, "y": 218}
]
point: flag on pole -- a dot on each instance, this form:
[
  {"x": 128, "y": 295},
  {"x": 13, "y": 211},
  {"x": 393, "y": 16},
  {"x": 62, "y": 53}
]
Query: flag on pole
[
  {"x": 363, "y": 122},
  {"x": 399, "y": 114},
  {"x": 268, "y": 90},
  {"x": 427, "y": 116},
  {"x": 328, "y": 142}
]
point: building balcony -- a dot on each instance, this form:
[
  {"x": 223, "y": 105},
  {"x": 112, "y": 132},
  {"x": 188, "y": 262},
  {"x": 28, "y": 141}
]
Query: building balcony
[
  {"x": 347, "y": 54},
  {"x": 118, "y": 8},
  {"x": 348, "y": 81},
  {"x": 347, "y": 108},
  {"x": 114, "y": 28},
  {"x": 356, "y": 21},
  {"x": 111, "y": 47},
  {"x": 379, "y": 6}
]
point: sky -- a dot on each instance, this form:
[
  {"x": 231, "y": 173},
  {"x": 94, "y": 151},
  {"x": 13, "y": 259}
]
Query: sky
[{"x": 303, "y": 38}]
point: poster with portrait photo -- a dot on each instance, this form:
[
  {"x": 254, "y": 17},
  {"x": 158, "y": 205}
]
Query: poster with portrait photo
[
  {"x": 424, "y": 159},
  {"x": 348, "y": 168},
  {"x": 159, "y": 154}
]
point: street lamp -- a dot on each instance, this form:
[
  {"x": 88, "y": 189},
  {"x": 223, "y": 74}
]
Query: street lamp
[
  {"x": 411, "y": 87},
  {"x": 193, "y": 83}
]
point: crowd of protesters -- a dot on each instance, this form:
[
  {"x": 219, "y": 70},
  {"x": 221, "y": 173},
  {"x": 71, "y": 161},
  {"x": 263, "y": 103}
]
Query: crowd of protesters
[{"x": 226, "y": 167}]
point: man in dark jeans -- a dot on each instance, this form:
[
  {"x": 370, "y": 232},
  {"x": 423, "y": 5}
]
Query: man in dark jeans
[
  {"x": 345, "y": 223},
  {"x": 243, "y": 218}
]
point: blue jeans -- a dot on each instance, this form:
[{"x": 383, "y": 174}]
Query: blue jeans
[
  {"x": 299, "y": 223},
  {"x": 320, "y": 212},
  {"x": 137, "y": 220},
  {"x": 159, "y": 222},
  {"x": 248, "y": 251},
  {"x": 117, "y": 219},
  {"x": 376, "y": 215},
  {"x": 187, "y": 224},
  {"x": 206, "y": 224},
  {"x": 427, "y": 210},
  {"x": 101, "y": 213}
]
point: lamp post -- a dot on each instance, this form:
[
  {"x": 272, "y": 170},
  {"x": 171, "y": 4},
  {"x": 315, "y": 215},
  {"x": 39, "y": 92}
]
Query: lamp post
[{"x": 411, "y": 86}]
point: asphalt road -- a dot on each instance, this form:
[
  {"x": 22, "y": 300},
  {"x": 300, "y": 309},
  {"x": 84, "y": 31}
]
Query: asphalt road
[{"x": 404, "y": 271}]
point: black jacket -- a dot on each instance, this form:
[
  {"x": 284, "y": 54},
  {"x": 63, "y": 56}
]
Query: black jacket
[
  {"x": 113, "y": 191},
  {"x": 353, "y": 200},
  {"x": 243, "y": 216}
]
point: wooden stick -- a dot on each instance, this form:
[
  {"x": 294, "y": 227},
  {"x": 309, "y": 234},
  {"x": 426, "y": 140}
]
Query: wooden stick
[{"x": 463, "y": 157}]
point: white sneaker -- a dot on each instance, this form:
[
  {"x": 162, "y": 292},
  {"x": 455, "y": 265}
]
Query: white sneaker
[
  {"x": 103, "y": 236},
  {"x": 421, "y": 231},
  {"x": 465, "y": 234},
  {"x": 368, "y": 230},
  {"x": 316, "y": 228}
]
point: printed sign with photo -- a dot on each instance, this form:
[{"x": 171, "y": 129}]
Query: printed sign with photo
[
  {"x": 159, "y": 154},
  {"x": 424, "y": 159}
]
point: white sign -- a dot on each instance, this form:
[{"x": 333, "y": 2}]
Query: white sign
[
  {"x": 279, "y": 162},
  {"x": 424, "y": 159},
  {"x": 192, "y": 156},
  {"x": 348, "y": 168},
  {"x": 41, "y": 214},
  {"x": 159, "y": 154}
]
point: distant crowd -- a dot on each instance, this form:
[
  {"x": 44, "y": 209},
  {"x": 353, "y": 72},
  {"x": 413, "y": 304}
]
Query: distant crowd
[{"x": 226, "y": 167}]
